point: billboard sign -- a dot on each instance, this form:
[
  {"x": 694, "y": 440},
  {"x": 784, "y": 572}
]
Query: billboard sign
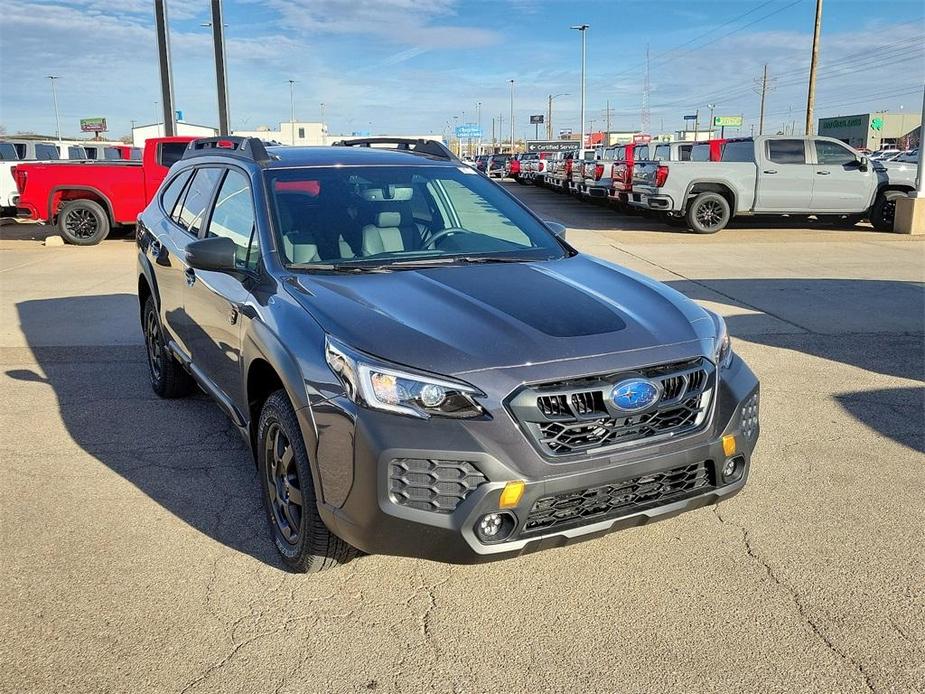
[
  {"x": 551, "y": 145},
  {"x": 468, "y": 130},
  {"x": 93, "y": 125},
  {"x": 845, "y": 122},
  {"x": 727, "y": 121},
  {"x": 535, "y": 120}
]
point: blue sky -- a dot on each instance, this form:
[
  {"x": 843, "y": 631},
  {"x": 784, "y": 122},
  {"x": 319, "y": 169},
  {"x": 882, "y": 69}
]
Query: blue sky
[{"x": 410, "y": 66}]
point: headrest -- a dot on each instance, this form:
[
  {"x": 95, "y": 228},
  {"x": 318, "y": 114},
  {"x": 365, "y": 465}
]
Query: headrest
[
  {"x": 389, "y": 193},
  {"x": 388, "y": 219}
]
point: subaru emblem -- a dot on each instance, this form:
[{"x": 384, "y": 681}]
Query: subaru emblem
[{"x": 635, "y": 394}]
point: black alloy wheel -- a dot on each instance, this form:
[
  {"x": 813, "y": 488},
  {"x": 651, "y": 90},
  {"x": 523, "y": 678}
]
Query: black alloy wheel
[{"x": 283, "y": 485}]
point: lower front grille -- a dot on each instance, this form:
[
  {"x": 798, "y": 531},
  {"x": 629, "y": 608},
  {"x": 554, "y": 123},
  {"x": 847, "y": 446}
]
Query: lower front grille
[
  {"x": 432, "y": 485},
  {"x": 609, "y": 501}
]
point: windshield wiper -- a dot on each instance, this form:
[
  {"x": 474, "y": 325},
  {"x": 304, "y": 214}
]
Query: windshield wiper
[
  {"x": 454, "y": 260},
  {"x": 338, "y": 267}
]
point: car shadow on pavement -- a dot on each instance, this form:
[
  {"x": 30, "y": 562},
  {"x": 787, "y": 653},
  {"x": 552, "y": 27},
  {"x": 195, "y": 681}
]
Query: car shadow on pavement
[{"x": 184, "y": 454}]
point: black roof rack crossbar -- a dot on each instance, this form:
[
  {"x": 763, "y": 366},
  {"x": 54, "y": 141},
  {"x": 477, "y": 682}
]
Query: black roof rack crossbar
[
  {"x": 243, "y": 147},
  {"x": 433, "y": 148}
]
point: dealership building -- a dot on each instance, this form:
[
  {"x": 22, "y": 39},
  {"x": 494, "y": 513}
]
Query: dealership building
[{"x": 873, "y": 131}]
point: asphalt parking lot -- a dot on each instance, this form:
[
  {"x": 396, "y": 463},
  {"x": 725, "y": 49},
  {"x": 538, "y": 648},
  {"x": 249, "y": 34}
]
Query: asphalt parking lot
[{"x": 135, "y": 556}]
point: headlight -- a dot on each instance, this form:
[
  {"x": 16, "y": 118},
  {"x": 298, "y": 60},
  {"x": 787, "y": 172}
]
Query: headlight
[
  {"x": 723, "y": 354},
  {"x": 383, "y": 387}
]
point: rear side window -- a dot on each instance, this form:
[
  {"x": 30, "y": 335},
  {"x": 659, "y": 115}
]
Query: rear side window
[
  {"x": 135, "y": 154},
  {"x": 700, "y": 152},
  {"x": 662, "y": 153},
  {"x": 20, "y": 150},
  {"x": 684, "y": 152},
  {"x": 233, "y": 217},
  {"x": 738, "y": 151},
  {"x": 171, "y": 153},
  {"x": 8, "y": 152},
  {"x": 76, "y": 153},
  {"x": 92, "y": 152},
  {"x": 172, "y": 192},
  {"x": 619, "y": 154},
  {"x": 833, "y": 154},
  {"x": 111, "y": 153},
  {"x": 45, "y": 152},
  {"x": 190, "y": 212},
  {"x": 787, "y": 151},
  {"x": 640, "y": 152}
]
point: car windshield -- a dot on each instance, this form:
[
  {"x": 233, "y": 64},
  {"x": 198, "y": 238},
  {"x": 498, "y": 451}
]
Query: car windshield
[{"x": 387, "y": 216}]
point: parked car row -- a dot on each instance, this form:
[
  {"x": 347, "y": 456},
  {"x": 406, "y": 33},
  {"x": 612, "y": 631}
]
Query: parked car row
[{"x": 703, "y": 185}]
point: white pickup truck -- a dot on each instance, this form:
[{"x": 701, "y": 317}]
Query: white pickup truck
[{"x": 773, "y": 175}]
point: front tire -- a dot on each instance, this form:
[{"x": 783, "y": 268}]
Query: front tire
[
  {"x": 301, "y": 537},
  {"x": 168, "y": 379},
  {"x": 883, "y": 212},
  {"x": 708, "y": 213},
  {"x": 83, "y": 222}
]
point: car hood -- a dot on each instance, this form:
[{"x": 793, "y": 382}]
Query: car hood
[{"x": 463, "y": 318}]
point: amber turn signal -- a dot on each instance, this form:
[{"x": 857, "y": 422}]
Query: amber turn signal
[{"x": 511, "y": 495}]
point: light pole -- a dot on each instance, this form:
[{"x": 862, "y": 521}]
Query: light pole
[
  {"x": 549, "y": 114},
  {"x": 478, "y": 110},
  {"x": 54, "y": 94},
  {"x": 583, "y": 29},
  {"x": 291, "y": 112},
  {"x": 322, "y": 116},
  {"x": 512, "y": 117},
  {"x": 712, "y": 107}
]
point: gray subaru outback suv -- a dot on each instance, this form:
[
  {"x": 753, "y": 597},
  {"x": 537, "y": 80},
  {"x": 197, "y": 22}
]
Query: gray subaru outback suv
[{"x": 423, "y": 367}]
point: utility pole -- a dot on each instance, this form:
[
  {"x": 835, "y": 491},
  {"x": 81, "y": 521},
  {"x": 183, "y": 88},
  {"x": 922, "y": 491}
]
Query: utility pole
[
  {"x": 814, "y": 61},
  {"x": 322, "y": 116},
  {"x": 512, "y": 116},
  {"x": 712, "y": 107},
  {"x": 697, "y": 124},
  {"x": 607, "y": 143},
  {"x": 645, "y": 116},
  {"x": 764, "y": 91},
  {"x": 163, "y": 54},
  {"x": 291, "y": 112},
  {"x": 478, "y": 111},
  {"x": 54, "y": 94},
  {"x": 583, "y": 30},
  {"x": 549, "y": 119},
  {"x": 221, "y": 70}
]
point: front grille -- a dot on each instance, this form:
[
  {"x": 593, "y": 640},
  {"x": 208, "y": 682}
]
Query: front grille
[
  {"x": 610, "y": 501},
  {"x": 577, "y": 416},
  {"x": 432, "y": 485}
]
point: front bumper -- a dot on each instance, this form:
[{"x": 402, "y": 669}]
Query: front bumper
[{"x": 362, "y": 509}]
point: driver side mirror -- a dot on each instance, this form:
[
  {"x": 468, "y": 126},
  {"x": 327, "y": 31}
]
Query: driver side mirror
[
  {"x": 218, "y": 253},
  {"x": 556, "y": 228}
]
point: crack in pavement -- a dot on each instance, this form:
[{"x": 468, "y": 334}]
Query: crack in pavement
[{"x": 797, "y": 601}]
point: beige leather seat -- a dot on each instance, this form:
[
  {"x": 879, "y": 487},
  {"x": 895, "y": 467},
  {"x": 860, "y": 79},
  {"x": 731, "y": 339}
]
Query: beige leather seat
[{"x": 384, "y": 235}]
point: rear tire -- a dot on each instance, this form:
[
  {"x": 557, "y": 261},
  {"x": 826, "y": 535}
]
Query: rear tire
[
  {"x": 303, "y": 540},
  {"x": 708, "y": 213},
  {"x": 168, "y": 379},
  {"x": 83, "y": 222},
  {"x": 883, "y": 212}
]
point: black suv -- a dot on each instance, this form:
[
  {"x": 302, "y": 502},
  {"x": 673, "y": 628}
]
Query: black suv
[{"x": 423, "y": 367}]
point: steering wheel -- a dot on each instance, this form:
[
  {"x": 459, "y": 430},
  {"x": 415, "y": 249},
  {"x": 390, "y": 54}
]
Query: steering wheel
[{"x": 432, "y": 243}]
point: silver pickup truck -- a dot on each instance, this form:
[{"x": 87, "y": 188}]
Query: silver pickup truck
[{"x": 773, "y": 175}]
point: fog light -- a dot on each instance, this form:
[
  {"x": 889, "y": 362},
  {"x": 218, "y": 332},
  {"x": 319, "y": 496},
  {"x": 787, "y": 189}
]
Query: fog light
[
  {"x": 495, "y": 527},
  {"x": 729, "y": 468}
]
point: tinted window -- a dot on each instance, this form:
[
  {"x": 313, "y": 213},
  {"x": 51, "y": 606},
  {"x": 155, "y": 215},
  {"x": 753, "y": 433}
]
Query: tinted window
[
  {"x": 684, "y": 152},
  {"x": 640, "y": 152},
  {"x": 620, "y": 154},
  {"x": 738, "y": 151},
  {"x": 8, "y": 152},
  {"x": 662, "y": 153},
  {"x": 20, "y": 150},
  {"x": 787, "y": 151},
  {"x": 700, "y": 152},
  {"x": 44, "y": 152},
  {"x": 377, "y": 215},
  {"x": 92, "y": 152},
  {"x": 190, "y": 212},
  {"x": 832, "y": 153},
  {"x": 171, "y": 152},
  {"x": 76, "y": 152},
  {"x": 111, "y": 153},
  {"x": 172, "y": 192},
  {"x": 135, "y": 154},
  {"x": 233, "y": 217}
]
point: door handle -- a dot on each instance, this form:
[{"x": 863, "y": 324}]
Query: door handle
[
  {"x": 190, "y": 276},
  {"x": 823, "y": 173},
  {"x": 770, "y": 171}
]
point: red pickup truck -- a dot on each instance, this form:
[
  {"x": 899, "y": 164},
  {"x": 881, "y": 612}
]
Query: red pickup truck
[{"x": 87, "y": 198}]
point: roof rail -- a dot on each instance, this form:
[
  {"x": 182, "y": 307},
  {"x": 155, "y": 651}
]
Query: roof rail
[
  {"x": 230, "y": 145},
  {"x": 433, "y": 148}
]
